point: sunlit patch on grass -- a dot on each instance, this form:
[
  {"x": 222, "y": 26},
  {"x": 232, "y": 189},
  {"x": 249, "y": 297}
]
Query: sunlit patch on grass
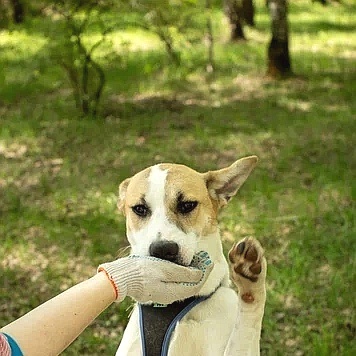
[
  {"x": 14, "y": 151},
  {"x": 134, "y": 40},
  {"x": 20, "y": 44},
  {"x": 38, "y": 265}
]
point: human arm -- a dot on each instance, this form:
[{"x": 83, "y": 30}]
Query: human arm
[{"x": 52, "y": 326}]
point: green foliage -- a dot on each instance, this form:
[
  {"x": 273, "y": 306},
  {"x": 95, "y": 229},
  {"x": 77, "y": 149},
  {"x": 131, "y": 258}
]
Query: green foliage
[
  {"x": 174, "y": 22},
  {"x": 178, "y": 24},
  {"x": 75, "y": 53}
]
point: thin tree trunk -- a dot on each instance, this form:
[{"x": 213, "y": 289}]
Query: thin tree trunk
[
  {"x": 324, "y": 2},
  {"x": 209, "y": 27},
  {"x": 234, "y": 12},
  {"x": 278, "y": 50},
  {"x": 18, "y": 11},
  {"x": 249, "y": 12}
]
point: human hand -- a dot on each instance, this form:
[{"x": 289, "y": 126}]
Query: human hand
[{"x": 150, "y": 279}]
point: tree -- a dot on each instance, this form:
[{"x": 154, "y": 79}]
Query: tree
[
  {"x": 18, "y": 11},
  {"x": 210, "y": 37},
  {"x": 171, "y": 21},
  {"x": 234, "y": 12},
  {"x": 77, "y": 56},
  {"x": 248, "y": 12},
  {"x": 239, "y": 12},
  {"x": 278, "y": 50},
  {"x": 11, "y": 11}
]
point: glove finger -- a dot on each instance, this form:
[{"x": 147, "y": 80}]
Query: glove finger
[
  {"x": 170, "y": 272},
  {"x": 201, "y": 260},
  {"x": 190, "y": 276},
  {"x": 185, "y": 290},
  {"x": 173, "y": 273},
  {"x": 166, "y": 271}
]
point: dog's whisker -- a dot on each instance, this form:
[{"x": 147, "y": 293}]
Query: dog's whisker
[{"x": 123, "y": 251}]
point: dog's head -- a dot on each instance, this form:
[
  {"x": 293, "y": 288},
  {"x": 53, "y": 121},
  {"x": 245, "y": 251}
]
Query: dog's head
[{"x": 171, "y": 210}]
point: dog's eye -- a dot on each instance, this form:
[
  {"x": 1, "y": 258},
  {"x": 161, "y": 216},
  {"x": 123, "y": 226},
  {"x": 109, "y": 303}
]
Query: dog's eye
[
  {"x": 140, "y": 210},
  {"x": 185, "y": 207}
]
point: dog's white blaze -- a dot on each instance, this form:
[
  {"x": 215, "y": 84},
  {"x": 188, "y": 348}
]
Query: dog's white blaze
[
  {"x": 156, "y": 189},
  {"x": 141, "y": 240},
  {"x": 159, "y": 227}
]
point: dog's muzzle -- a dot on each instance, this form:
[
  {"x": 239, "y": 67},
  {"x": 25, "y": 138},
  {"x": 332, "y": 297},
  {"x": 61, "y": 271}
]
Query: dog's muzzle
[{"x": 165, "y": 250}]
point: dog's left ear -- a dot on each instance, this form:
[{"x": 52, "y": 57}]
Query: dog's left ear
[
  {"x": 224, "y": 183},
  {"x": 122, "y": 195}
]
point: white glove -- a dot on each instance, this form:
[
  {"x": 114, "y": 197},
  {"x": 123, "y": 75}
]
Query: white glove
[{"x": 150, "y": 279}]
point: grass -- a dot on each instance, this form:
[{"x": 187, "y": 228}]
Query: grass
[{"x": 60, "y": 173}]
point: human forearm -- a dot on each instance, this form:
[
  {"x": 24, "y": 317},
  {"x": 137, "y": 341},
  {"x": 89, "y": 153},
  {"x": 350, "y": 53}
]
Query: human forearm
[{"x": 51, "y": 327}]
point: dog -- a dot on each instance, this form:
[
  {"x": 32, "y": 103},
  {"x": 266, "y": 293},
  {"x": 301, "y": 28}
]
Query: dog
[{"x": 171, "y": 213}]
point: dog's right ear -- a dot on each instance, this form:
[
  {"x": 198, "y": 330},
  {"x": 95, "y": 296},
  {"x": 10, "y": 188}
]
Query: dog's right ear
[
  {"x": 224, "y": 183},
  {"x": 122, "y": 195}
]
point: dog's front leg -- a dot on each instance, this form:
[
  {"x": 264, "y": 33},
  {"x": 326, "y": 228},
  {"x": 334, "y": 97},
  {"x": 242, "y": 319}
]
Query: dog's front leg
[{"x": 248, "y": 272}]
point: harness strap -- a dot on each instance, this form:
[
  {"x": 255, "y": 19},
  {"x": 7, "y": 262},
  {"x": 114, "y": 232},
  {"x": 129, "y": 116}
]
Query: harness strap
[
  {"x": 172, "y": 325},
  {"x": 158, "y": 323}
]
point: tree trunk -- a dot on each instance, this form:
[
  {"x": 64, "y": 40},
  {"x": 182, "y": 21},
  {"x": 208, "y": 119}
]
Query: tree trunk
[
  {"x": 278, "y": 49},
  {"x": 18, "y": 11},
  {"x": 248, "y": 12},
  {"x": 210, "y": 37},
  {"x": 234, "y": 12},
  {"x": 324, "y": 2}
]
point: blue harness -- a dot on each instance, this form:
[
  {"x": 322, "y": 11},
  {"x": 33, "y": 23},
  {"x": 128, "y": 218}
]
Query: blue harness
[{"x": 157, "y": 324}]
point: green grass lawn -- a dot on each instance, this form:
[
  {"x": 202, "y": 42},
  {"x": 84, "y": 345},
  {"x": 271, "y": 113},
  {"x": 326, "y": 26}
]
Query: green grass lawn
[{"x": 59, "y": 172}]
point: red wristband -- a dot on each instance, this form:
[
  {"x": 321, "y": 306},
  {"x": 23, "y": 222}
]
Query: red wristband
[{"x": 101, "y": 269}]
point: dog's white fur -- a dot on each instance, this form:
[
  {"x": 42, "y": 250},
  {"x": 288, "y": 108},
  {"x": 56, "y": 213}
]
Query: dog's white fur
[{"x": 224, "y": 324}]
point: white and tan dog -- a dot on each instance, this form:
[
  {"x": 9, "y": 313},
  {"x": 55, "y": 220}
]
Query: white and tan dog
[{"x": 171, "y": 213}]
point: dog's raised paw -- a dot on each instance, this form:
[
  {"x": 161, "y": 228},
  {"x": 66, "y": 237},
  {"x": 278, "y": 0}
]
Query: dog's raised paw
[{"x": 246, "y": 258}]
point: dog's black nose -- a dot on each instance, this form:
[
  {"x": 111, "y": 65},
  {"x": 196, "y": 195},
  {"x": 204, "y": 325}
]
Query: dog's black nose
[{"x": 166, "y": 250}]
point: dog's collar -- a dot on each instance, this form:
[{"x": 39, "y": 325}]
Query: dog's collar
[{"x": 157, "y": 323}]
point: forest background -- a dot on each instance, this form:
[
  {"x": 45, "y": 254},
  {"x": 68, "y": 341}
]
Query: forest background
[{"x": 93, "y": 91}]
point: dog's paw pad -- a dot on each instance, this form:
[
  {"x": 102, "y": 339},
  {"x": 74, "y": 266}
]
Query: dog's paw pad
[{"x": 246, "y": 258}]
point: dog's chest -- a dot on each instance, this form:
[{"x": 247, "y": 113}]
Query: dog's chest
[{"x": 205, "y": 330}]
